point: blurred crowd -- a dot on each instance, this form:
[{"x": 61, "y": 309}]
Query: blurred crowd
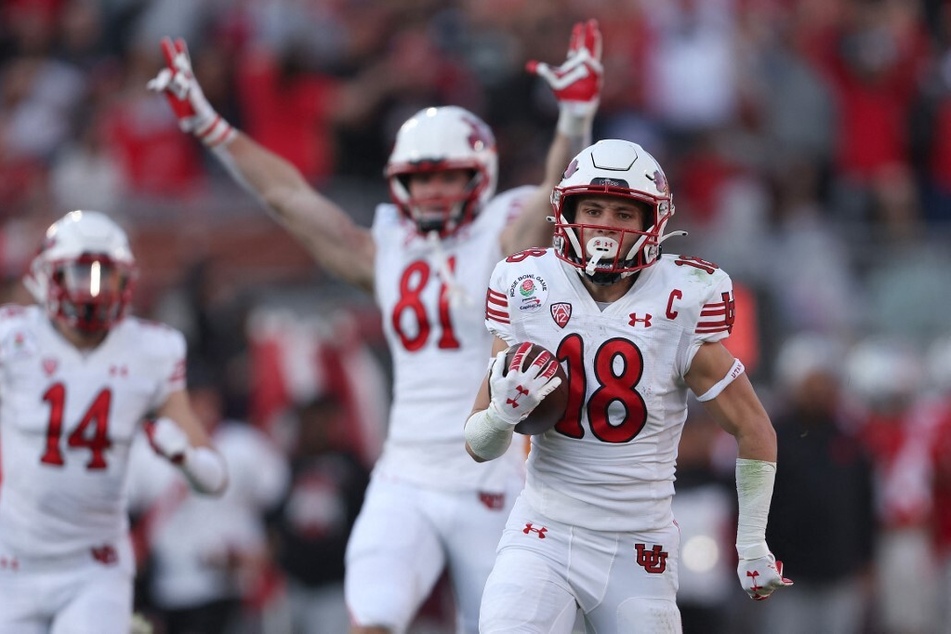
[{"x": 808, "y": 145}]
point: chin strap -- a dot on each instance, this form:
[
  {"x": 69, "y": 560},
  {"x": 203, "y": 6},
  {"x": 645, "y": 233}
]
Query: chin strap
[
  {"x": 457, "y": 294},
  {"x": 678, "y": 232}
]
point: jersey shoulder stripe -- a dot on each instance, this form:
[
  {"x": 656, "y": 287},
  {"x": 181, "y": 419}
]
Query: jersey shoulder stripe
[
  {"x": 496, "y": 307},
  {"x": 709, "y": 288},
  {"x": 717, "y": 316}
]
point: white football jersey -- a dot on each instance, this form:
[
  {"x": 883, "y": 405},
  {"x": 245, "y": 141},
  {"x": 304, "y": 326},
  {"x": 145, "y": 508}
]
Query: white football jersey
[
  {"x": 67, "y": 419},
  {"x": 609, "y": 463},
  {"x": 438, "y": 343}
]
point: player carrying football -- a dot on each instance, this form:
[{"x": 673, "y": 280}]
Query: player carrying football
[{"x": 634, "y": 330}]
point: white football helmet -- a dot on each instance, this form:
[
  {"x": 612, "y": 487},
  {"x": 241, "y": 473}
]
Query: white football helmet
[
  {"x": 436, "y": 139},
  {"x": 617, "y": 168},
  {"x": 84, "y": 272}
]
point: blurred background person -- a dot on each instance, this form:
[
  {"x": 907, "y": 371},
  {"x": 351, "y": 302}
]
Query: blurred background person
[
  {"x": 935, "y": 413},
  {"x": 884, "y": 381},
  {"x": 705, "y": 508},
  {"x": 310, "y": 529},
  {"x": 207, "y": 559},
  {"x": 823, "y": 513}
]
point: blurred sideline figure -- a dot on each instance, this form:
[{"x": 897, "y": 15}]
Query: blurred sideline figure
[
  {"x": 705, "y": 507},
  {"x": 78, "y": 376},
  {"x": 594, "y": 528},
  {"x": 823, "y": 514},
  {"x": 936, "y": 409},
  {"x": 207, "y": 557},
  {"x": 426, "y": 259},
  {"x": 884, "y": 376},
  {"x": 313, "y": 522}
]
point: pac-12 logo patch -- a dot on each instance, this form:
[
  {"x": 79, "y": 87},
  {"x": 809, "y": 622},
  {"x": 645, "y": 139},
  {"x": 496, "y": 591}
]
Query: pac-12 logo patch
[{"x": 561, "y": 313}]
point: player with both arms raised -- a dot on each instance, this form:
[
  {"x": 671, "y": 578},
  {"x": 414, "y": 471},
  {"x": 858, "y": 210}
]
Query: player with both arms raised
[
  {"x": 634, "y": 330},
  {"x": 424, "y": 257}
]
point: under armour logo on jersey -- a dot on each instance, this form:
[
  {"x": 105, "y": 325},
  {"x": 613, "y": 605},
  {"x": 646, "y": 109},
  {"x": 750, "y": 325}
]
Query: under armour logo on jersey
[
  {"x": 106, "y": 554},
  {"x": 530, "y": 528},
  {"x": 49, "y": 366},
  {"x": 514, "y": 401},
  {"x": 118, "y": 370},
  {"x": 561, "y": 313},
  {"x": 646, "y": 320},
  {"x": 654, "y": 560}
]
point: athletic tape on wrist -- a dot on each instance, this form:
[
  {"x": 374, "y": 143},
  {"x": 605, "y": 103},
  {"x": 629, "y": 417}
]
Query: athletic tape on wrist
[
  {"x": 217, "y": 133},
  {"x": 754, "y": 491},
  {"x": 487, "y": 436},
  {"x": 572, "y": 124}
]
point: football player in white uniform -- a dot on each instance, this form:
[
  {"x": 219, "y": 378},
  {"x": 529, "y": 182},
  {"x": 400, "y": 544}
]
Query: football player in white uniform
[
  {"x": 77, "y": 379},
  {"x": 426, "y": 259},
  {"x": 634, "y": 331}
]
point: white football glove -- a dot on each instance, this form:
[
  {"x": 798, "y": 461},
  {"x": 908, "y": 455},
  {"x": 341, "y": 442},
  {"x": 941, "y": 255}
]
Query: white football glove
[
  {"x": 177, "y": 82},
  {"x": 168, "y": 439},
  {"x": 517, "y": 393},
  {"x": 577, "y": 82},
  {"x": 205, "y": 468},
  {"x": 761, "y": 576}
]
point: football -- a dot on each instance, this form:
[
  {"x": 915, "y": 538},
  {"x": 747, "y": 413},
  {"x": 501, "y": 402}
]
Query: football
[{"x": 547, "y": 414}]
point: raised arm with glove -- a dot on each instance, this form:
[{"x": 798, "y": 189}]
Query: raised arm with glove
[
  {"x": 177, "y": 82},
  {"x": 577, "y": 82}
]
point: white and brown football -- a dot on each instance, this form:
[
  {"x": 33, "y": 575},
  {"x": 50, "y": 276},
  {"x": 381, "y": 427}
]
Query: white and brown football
[{"x": 547, "y": 414}]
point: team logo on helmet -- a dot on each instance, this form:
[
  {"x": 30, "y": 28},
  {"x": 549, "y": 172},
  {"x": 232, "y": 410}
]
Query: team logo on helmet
[
  {"x": 661, "y": 181},
  {"x": 480, "y": 137},
  {"x": 571, "y": 169}
]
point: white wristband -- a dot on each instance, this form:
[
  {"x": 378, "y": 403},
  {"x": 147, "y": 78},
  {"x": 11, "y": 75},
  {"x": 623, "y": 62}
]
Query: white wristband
[
  {"x": 487, "y": 436},
  {"x": 217, "y": 132},
  {"x": 754, "y": 491},
  {"x": 735, "y": 370},
  {"x": 575, "y": 120},
  {"x": 205, "y": 470}
]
